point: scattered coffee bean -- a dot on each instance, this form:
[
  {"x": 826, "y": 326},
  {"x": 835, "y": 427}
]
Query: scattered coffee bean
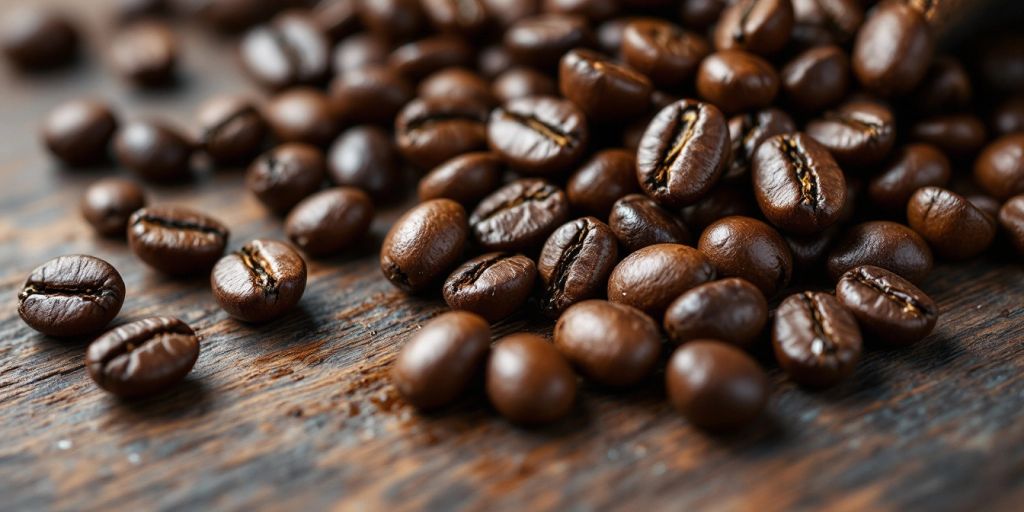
[
  {"x": 893, "y": 49},
  {"x": 466, "y": 18},
  {"x": 365, "y": 157},
  {"x": 944, "y": 88},
  {"x": 750, "y": 249},
  {"x": 858, "y": 133},
  {"x": 146, "y": 54},
  {"x": 75, "y": 295},
  {"x": 393, "y": 19},
  {"x": 958, "y": 135},
  {"x": 143, "y": 358},
  {"x": 1000, "y": 167},
  {"x": 816, "y": 339},
  {"x": 538, "y": 135},
  {"x": 430, "y": 132},
  {"x": 602, "y": 180},
  {"x": 424, "y": 244},
  {"x": 329, "y": 221},
  {"x": 886, "y": 305},
  {"x": 371, "y": 95},
  {"x": 605, "y": 91},
  {"x": 107, "y": 204},
  {"x": 613, "y": 344},
  {"x": 231, "y": 129},
  {"x": 748, "y": 131},
  {"x": 731, "y": 310},
  {"x": 758, "y": 26},
  {"x": 285, "y": 175},
  {"x": 735, "y": 81},
  {"x": 716, "y": 386},
  {"x": 1011, "y": 218},
  {"x": 261, "y": 281},
  {"x": 232, "y": 16},
  {"x": 701, "y": 14},
  {"x": 418, "y": 59},
  {"x": 522, "y": 82},
  {"x": 528, "y": 380},
  {"x": 493, "y": 60},
  {"x": 154, "y": 150},
  {"x": 360, "y": 51},
  {"x": 36, "y": 38},
  {"x": 519, "y": 216},
  {"x": 1008, "y": 117},
  {"x": 458, "y": 84},
  {"x": 465, "y": 179},
  {"x": 593, "y": 10},
  {"x": 176, "y": 240},
  {"x": 78, "y": 132},
  {"x": 817, "y": 78},
  {"x": 637, "y": 222},
  {"x": 337, "y": 19},
  {"x": 989, "y": 205},
  {"x": 302, "y": 115},
  {"x": 494, "y": 285},
  {"x": 651, "y": 278},
  {"x": 884, "y": 244},
  {"x": 953, "y": 227},
  {"x": 291, "y": 50},
  {"x": 575, "y": 262},
  {"x": 831, "y": 22},
  {"x": 540, "y": 41},
  {"x": 912, "y": 167},
  {"x": 662, "y": 51}
]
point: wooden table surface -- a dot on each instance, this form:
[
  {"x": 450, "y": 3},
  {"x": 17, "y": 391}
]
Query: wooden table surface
[{"x": 299, "y": 414}]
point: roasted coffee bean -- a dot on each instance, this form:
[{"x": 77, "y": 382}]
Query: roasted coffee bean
[
  {"x": 748, "y": 131},
  {"x": 493, "y": 60},
  {"x": 798, "y": 185},
  {"x": 369, "y": 95},
  {"x": 528, "y": 380},
  {"x": 176, "y": 240},
  {"x": 337, "y": 19},
  {"x": 424, "y": 244},
  {"x": 522, "y": 82},
  {"x": 519, "y": 216},
  {"x": 494, "y": 285},
  {"x": 723, "y": 201},
  {"x": 886, "y": 305},
  {"x": 291, "y": 50},
  {"x": 945, "y": 87},
  {"x": 667, "y": 54},
  {"x": 302, "y": 115},
  {"x": 365, "y": 157},
  {"x": 651, "y": 278},
  {"x": 73, "y": 295},
  {"x": 858, "y": 133},
  {"x": 395, "y": 20},
  {"x": 540, "y": 41},
  {"x": 816, "y": 339},
  {"x": 1011, "y": 218},
  {"x": 458, "y": 84},
  {"x": 912, "y": 167},
  {"x": 285, "y": 175},
  {"x": 613, "y": 344},
  {"x": 957, "y": 134},
  {"x": 108, "y": 203},
  {"x": 637, "y": 222},
  {"x": 757, "y": 26},
  {"x": 988, "y": 205},
  {"x": 701, "y": 14},
  {"x": 810, "y": 251},
  {"x": 507, "y": 12},
  {"x": 234, "y": 15},
  {"x": 730, "y": 310},
  {"x": 538, "y": 135},
  {"x": 884, "y": 244},
  {"x": 716, "y": 386},
  {"x": 1008, "y": 117},
  {"x": 430, "y": 132},
  {"x": 953, "y": 227},
  {"x": 418, "y": 59},
  {"x": 750, "y": 249},
  {"x": 144, "y": 357},
  {"x": 465, "y": 179},
  {"x": 736, "y": 81},
  {"x": 609, "y": 35},
  {"x": 605, "y": 91},
  {"x": 231, "y": 129},
  {"x": 78, "y": 132},
  {"x": 261, "y": 281},
  {"x": 594, "y": 10},
  {"x": 575, "y": 262},
  {"x": 820, "y": 22},
  {"x": 459, "y": 17},
  {"x": 146, "y": 54},
  {"x": 683, "y": 153},
  {"x": 360, "y": 51},
  {"x": 330, "y": 221},
  {"x": 36, "y": 38},
  {"x": 893, "y": 49},
  {"x": 816, "y": 79},
  {"x": 602, "y": 180},
  {"x": 439, "y": 361},
  {"x": 153, "y": 150}
]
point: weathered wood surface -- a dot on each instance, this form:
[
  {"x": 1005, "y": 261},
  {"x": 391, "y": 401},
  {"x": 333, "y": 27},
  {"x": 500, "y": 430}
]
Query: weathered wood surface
[{"x": 298, "y": 415}]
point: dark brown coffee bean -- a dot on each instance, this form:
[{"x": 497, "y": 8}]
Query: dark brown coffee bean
[
  {"x": 36, "y": 38},
  {"x": 821, "y": 22},
  {"x": 858, "y": 133},
  {"x": 748, "y": 131},
  {"x": 538, "y": 135},
  {"x": 609, "y": 35},
  {"x": 758, "y": 26},
  {"x": 493, "y": 60},
  {"x": 395, "y": 20},
  {"x": 945, "y": 87},
  {"x": 285, "y": 175},
  {"x": 430, "y": 132},
  {"x": 594, "y": 10},
  {"x": 507, "y": 12},
  {"x": 602, "y": 180},
  {"x": 234, "y": 15},
  {"x": 662, "y": 51},
  {"x": 519, "y": 216},
  {"x": 457, "y": 84},
  {"x": 146, "y": 54},
  {"x": 153, "y": 150},
  {"x": 750, "y": 249},
  {"x": 912, "y": 167},
  {"x": 605, "y": 91},
  {"x": 231, "y": 129},
  {"x": 723, "y": 201},
  {"x": 302, "y": 115},
  {"x": 330, "y": 221},
  {"x": 1011, "y": 218},
  {"x": 798, "y": 185},
  {"x": 439, "y": 361},
  {"x": 424, "y": 244},
  {"x": 369, "y": 95},
  {"x": 816, "y": 339},
  {"x": 540, "y": 41},
  {"x": 337, "y": 19},
  {"x": 291, "y": 50},
  {"x": 731, "y": 310},
  {"x": 522, "y": 82},
  {"x": 360, "y": 51},
  {"x": 575, "y": 262},
  {"x": 1008, "y": 117},
  {"x": 365, "y": 157},
  {"x": 988, "y": 205},
  {"x": 816, "y": 79},
  {"x": 893, "y": 49},
  {"x": 957, "y": 134},
  {"x": 886, "y": 305},
  {"x": 735, "y": 81},
  {"x": 465, "y": 179},
  {"x": 701, "y": 14},
  {"x": 108, "y": 203},
  {"x": 73, "y": 295},
  {"x": 612, "y": 344},
  {"x": 458, "y": 17},
  {"x": 144, "y": 357},
  {"x": 953, "y": 227},
  {"x": 651, "y": 278},
  {"x": 261, "y": 281},
  {"x": 494, "y": 285},
  {"x": 78, "y": 132},
  {"x": 528, "y": 380},
  {"x": 884, "y": 244},
  {"x": 716, "y": 386},
  {"x": 176, "y": 240},
  {"x": 418, "y": 59},
  {"x": 637, "y": 222}
]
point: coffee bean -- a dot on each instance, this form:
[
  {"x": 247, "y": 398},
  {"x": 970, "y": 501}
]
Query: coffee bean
[
  {"x": 748, "y": 131},
  {"x": 458, "y": 84},
  {"x": 392, "y": 19},
  {"x": 1011, "y": 218},
  {"x": 493, "y": 60},
  {"x": 858, "y": 133},
  {"x": 519, "y": 216},
  {"x": 360, "y": 51},
  {"x": 73, "y": 295},
  {"x": 430, "y": 132},
  {"x": 507, "y": 12},
  {"x": 957, "y": 134},
  {"x": 816, "y": 339},
  {"x": 439, "y": 361},
  {"x": 817, "y": 78},
  {"x": 418, "y": 59},
  {"x": 528, "y": 381},
  {"x": 1008, "y": 116},
  {"x": 458, "y": 17},
  {"x": 78, "y": 132},
  {"x": 944, "y": 88},
  {"x": 731, "y": 310},
  {"x": 330, "y": 221},
  {"x": 337, "y": 19},
  {"x": 594, "y": 10},
  {"x": 758, "y": 26},
  {"x": 818, "y": 22},
  {"x": 365, "y": 157},
  {"x": 142, "y": 358},
  {"x": 107, "y": 204},
  {"x": 735, "y": 81},
  {"x": 575, "y": 262},
  {"x": 662, "y": 51},
  {"x": 540, "y": 41},
  {"x": 716, "y": 386},
  {"x": 234, "y": 15},
  {"x": 602, "y": 180},
  {"x": 723, "y": 201},
  {"x": 36, "y": 38},
  {"x": 522, "y": 82},
  {"x": 291, "y": 50},
  {"x": 538, "y": 135},
  {"x": 176, "y": 240},
  {"x": 494, "y": 285},
  {"x": 302, "y": 115},
  {"x": 605, "y": 91},
  {"x": 261, "y": 281},
  {"x": 231, "y": 129},
  {"x": 683, "y": 153},
  {"x": 285, "y": 175},
  {"x": 988, "y": 205},
  {"x": 613, "y": 344},
  {"x": 465, "y": 179},
  {"x": 637, "y": 222},
  {"x": 798, "y": 185},
  {"x": 953, "y": 227},
  {"x": 424, "y": 244},
  {"x": 750, "y": 249},
  {"x": 371, "y": 95},
  {"x": 651, "y": 278},
  {"x": 146, "y": 54},
  {"x": 884, "y": 244},
  {"x": 154, "y": 150},
  {"x": 893, "y": 49},
  {"x": 886, "y": 305},
  {"x": 912, "y": 167}
]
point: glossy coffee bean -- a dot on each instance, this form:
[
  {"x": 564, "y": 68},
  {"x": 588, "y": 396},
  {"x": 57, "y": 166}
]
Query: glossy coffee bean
[
  {"x": 651, "y": 278},
  {"x": 430, "y": 132},
  {"x": 884, "y": 244},
  {"x": 143, "y": 358},
  {"x": 716, "y": 386},
  {"x": 701, "y": 14},
  {"x": 683, "y": 153},
  {"x": 232, "y": 130},
  {"x": 816, "y": 79},
  {"x": 957, "y": 134},
  {"x": 330, "y": 221},
  {"x": 816, "y": 339},
  {"x": 886, "y": 305},
  {"x": 78, "y": 132},
  {"x": 723, "y": 201},
  {"x": 146, "y": 54},
  {"x": 372, "y": 95},
  {"x": 989, "y": 205},
  {"x": 750, "y": 249},
  {"x": 438, "y": 363},
  {"x": 107, "y": 204},
  {"x": 231, "y": 16},
  {"x": 999, "y": 169},
  {"x": 797, "y": 184},
  {"x": 575, "y": 262},
  {"x": 604, "y": 90},
  {"x": 493, "y": 60},
  {"x": 1008, "y": 117},
  {"x": 821, "y": 22},
  {"x": 73, "y": 295},
  {"x": 953, "y": 227},
  {"x": 538, "y": 135},
  {"x": 259, "y": 282},
  {"x": 1011, "y": 218},
  {"x": 395, "y": 20},
  {"x": 365, "y": 157},
  {"x": 594, "y": 10},
  {"x": 912, "y": 167},
  {"x": 637, "y": 222},
  {"x": 465, "y": 179},
  {"x": 519, "y": 216},
  {"x": 456, "y": 83},
  {"x": 540, "y": 41},
  {"x": 337, "y": 19},
  {"x": 424, "y": 244},
  {"x": 893, "y": 49},
  {"x": 945, "y": 87},
  {"x": 285, "y": 175},
  {"x": 153, "y": 150},
  {"x": 735, "y": 81},
  {"x": 758, "y": 26},
  {"x": 364, "y": 50},
  {"x": 664, "y": 52},
  {"x": 302, "y": 115},
  {"x": 507, "y": 12},
  {"x": 494, "y": 285},
  {"x": 609, "y": 175},
  {"x": 857, "y": 133},
  {"x": 458, "y": 17},
  {"x": 731, "y": 310},
  {"x": 35, "y": 38},
  {"x": 612, "y": 344},
  {"x": 748, "y": 131},
  {"x": 418, "y": 59},
  {"x": 176, "y": 240},
  {"x": 521, "y": 82},
  {"x": 528, "y": 380},
  {"x": 291, "y": 50}
]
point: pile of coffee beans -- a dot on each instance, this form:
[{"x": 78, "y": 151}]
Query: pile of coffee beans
[{"x": 672, "y": 184}]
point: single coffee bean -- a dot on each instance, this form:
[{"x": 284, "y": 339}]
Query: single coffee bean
[
  {"x": 465, "y": 179},
  {"x": 953, "y": 227},
  {"x": 230, "y": 16},
  {"x": 637, "y": 222},
  {"x": 337, "y": 19},
  {"x": 575, "y": 262},
  {"x": 493, "y": 60},
  {"x": 291, "y": 50},
  {"x": 594, "y": 10},
  {"x": 424, "y": 244},
  {"x": 528, "y": 380},
  {"x": 662, "y": 51},
  {"x": 612, "y": 344},
  {"x": 750, "y": 249},
  {"x": 736, "y": 81},
  {"x": 231, "y": 128},
  {"x": 1011, "y": 218},
  {"x": 957, "y": 134},
  {"x": 285, "y": 175},
  {"x": 176, "y": 240},
  {"x": 329, "y": 221},
  {"x": 494, "y": 285},
  {"x": 884, "y": 244},
  {"x": 893, "y": 49},
  {"x": 302, "y": 115},
  {"x": 912, "y": 167},
  {"x": 605, "y": 91},
  {"x": 430, "y": 132},
  {"x": 465, "y": 18},
  {"x": 36, "y": 38},
  {"x": 364, "y": 50},
  {"x": 651, "y": 278},
  {"x": 609, "y": 175},
  {"x": 748, "y": 131},
  {"x": 816, "y": 339},
  {"x": 372, "y": 95},
  {"x": 144, "y": 357},
  {"x": 418, "y": 59},
  {"x": 540, "y": 41},
  {"x": 519, "y": 216},
  {"x": 609, "y": 35},
  {"x": 438, "y": 363},
  {"x": 538, "y": 135},
  {"x": 1008, "y": 117},
  {"x": 758, "y": 26},
  {"x": 259, "y": 282},
  {"x": 723, "y": 201},
  {"x": 731, "y": 310},
  {"x": 683, "y": 153},
  {"x": 78, "y": 132},
  {"x": 395, "y": 20},
  {"x": 989, "y": 205},
  {"x": 153, "y": 150},
  {"x": 365, "y": 157},
  {"x": 73, "y": 295},
  {"x": 146, "y": 54},
  {"x": 821, "y": 22},
  {"x": 999, "y": 169},
  {"x": 886, "y": 305},
  {"x": 107, "y": 204},
  {"x": 858, "y": 133},
  {"x": 456, "y": 83},
  {"x": 701, "y": 14},
  {"x": 508, "y": 12},
  {"x": 520, "y": 82},
  {"x": 798, "y": 185},
  {"x": 716, "y": 386},
  {"x": 816, "y": 79},
  {"x": 810, "y": 251},
  {"x": 945, "y": 87}
]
